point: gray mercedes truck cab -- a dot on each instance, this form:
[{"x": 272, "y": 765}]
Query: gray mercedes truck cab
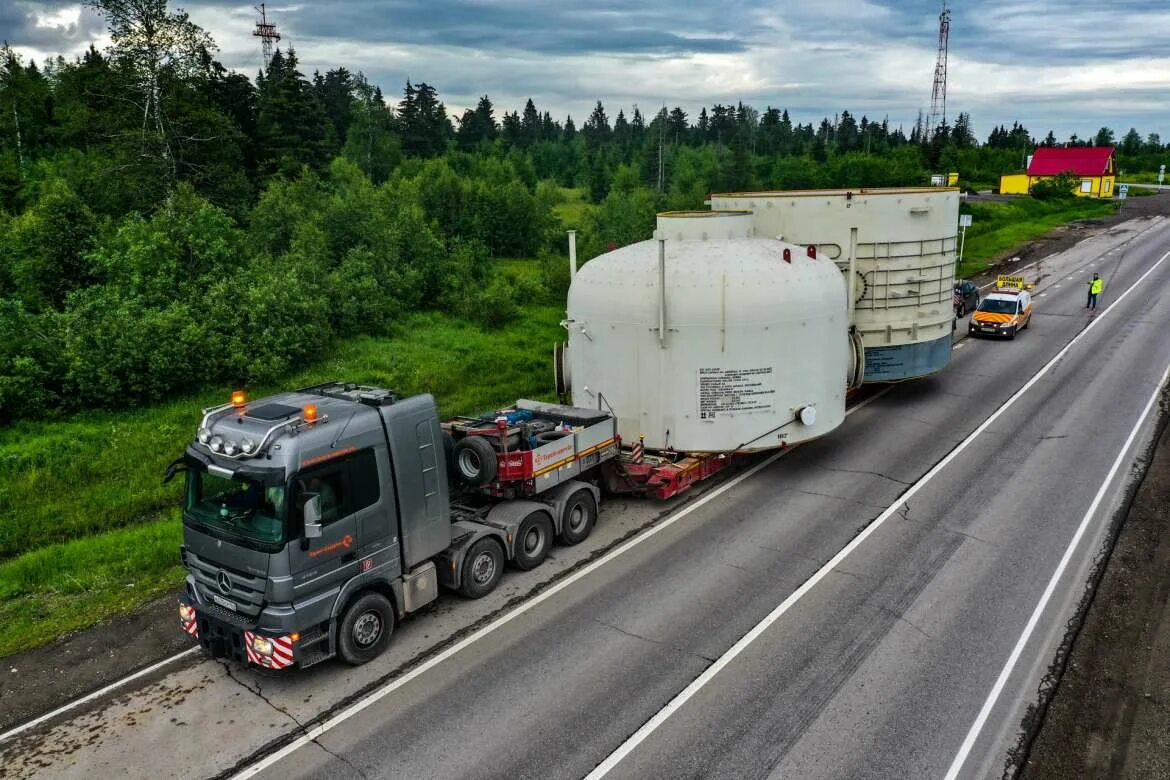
[{"x": 314, "y": 520}]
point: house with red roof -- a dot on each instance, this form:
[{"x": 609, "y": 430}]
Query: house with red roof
[{"x": 1095, "y": 166}]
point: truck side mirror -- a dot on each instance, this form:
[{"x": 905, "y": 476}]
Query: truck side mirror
[{"x": 313, "y": 517}]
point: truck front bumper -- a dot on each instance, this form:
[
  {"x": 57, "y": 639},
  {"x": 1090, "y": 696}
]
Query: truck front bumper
[{"x": 225, "y": 635}]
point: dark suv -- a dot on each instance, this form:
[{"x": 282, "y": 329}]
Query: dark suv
[{"x": 966, "y": 297}]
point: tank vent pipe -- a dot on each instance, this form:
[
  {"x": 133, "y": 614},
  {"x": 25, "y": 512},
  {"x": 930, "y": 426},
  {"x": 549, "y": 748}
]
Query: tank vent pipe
[
  {"x": 661, "y": 292},
  {"x": 572, "y": 253}
]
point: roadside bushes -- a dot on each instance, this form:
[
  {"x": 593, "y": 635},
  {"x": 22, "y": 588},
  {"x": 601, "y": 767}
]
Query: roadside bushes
[
  {"x": 1061, "y": 187},
  {"x": 184, "y": 297}
]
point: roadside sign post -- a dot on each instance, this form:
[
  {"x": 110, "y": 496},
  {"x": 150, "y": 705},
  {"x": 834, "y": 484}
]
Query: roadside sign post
[
  {"x": 1122, "y": 192},
  {"x": 964, "y": 223}
]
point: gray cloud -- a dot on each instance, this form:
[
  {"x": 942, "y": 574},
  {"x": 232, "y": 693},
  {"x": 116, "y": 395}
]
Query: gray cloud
[
  {"x": 28, "y": 24},
  {"x": 1071, "y": 65}
]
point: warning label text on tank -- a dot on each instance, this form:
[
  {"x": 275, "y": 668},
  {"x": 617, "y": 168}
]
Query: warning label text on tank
[{"x": 735, "y": 391}]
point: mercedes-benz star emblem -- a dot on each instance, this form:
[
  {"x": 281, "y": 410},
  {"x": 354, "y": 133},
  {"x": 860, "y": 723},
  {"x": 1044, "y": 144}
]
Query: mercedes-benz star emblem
[{"x": 225, "y": 584}]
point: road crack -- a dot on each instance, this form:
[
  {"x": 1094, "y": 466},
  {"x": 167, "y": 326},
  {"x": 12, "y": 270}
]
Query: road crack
[
  {"x": 902, "y": 619},
  {"x": 871, "y": 473},
  {"x": 258, "y": 692},
  {"x": 655, "y": 642},
  {"x": 838, "y": 498}
]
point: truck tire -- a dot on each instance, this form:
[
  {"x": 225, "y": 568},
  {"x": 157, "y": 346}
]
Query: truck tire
[
  {"x": 475, "y": 460},
  {"x": 578, "y": 517},
  {"x": 533, "y": 540},
  {"x": 482, "y": 568},
  {"x": 365, "y": 628}
]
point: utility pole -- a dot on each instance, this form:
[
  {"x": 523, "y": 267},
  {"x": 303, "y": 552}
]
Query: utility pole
[
  {"x": 938, "y": 97},
  {"x": 266, "y": 32}
]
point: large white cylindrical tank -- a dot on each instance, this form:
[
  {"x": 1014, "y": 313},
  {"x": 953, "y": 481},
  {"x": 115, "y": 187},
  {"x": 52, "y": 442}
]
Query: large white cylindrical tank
[
  {"x": 724, "y": 345},
  {"x": 904, "y": 259}
]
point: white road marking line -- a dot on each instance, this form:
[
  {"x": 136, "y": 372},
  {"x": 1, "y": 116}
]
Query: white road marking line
[
  {"x": 1010, "y": 665},
  {"x": 1056, "y": 285},
  {"x": 395, "y": 684},
  {"x": 1041, "y": 295},
  {"x": 958, "y": 346},
  {"x": 650, "y": 726},
  {"x": 96, "y": 694}
]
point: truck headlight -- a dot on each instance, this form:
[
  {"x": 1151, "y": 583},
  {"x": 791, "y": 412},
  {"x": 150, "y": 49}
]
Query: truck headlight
[
  {"x": 216, "y": 444},
  {"x": 204, "y": 435},
  {"x": 186, "y": 613},
  {"x": 262, "y": 645},
  {"x": 248, "y": 446},
  {"x": 230, "y": 448}
]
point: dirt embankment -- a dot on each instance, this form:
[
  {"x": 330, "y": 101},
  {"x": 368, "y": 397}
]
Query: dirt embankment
[
  {"x": 1110, "y": 714},
  {"x": 1063, "y": 237}
]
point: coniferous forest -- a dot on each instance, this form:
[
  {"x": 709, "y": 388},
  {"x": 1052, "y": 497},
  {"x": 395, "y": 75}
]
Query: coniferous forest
[{"x": 167, "y": 223}]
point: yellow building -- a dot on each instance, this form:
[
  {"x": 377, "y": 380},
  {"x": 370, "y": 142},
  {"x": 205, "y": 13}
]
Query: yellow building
[{"x": 1095, "y": 166}]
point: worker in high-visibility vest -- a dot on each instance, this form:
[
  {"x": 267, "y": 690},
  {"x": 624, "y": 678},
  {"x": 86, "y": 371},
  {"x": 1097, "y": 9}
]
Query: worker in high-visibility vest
[{"x": 1096, "y": 285}]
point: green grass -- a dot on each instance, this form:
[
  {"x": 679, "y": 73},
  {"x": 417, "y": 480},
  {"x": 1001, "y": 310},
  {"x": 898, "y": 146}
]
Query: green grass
[
  {"x": 1139, "y": 177},
  {"x": 999, "y": 227},
  {"x": 574, "y": 209},
  {"x": 88, "y": 530}
]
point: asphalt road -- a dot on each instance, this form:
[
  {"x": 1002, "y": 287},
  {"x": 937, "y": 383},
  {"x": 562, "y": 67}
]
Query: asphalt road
[
  {"x": 882, "y": 667},
  {"x": 879, "y": 669}
]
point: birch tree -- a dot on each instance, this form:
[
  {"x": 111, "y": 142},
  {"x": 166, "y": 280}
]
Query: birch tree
[{"x": 153, "y": 41}]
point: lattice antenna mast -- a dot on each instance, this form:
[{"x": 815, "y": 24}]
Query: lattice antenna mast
[
  {"x": 266, "y": 32},
  {"x": 938, "y": 97}
]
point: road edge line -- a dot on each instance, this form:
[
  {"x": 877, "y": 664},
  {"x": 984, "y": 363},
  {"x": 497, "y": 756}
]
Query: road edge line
[
  {"x": 989, "y": 703},
  {"x": 16, "y": 730}
]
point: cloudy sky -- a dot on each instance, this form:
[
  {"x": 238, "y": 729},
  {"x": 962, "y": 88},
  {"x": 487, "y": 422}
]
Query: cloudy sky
[{"x": 1071, "y": 66}]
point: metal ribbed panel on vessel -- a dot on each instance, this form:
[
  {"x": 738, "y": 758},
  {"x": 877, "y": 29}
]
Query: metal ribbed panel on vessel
[{"x": 904, "y": 259}]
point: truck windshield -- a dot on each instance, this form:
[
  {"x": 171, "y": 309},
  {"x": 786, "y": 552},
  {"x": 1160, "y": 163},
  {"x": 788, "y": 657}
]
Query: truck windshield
[
  {"x": 995, "y": 306},
  {"x": 240, "y": 507}
]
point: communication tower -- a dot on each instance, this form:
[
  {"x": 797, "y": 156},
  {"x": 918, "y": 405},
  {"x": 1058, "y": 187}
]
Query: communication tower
[
  {"x": 266, "y": 32},
  {"x": 938, "y": 97}
]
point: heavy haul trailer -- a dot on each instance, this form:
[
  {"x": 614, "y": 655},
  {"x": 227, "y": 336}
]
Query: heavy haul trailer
[{"x": 315, "y": 520}]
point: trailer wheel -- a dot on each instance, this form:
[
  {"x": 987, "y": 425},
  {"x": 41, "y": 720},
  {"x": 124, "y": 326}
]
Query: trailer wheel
[
  {"x": 365, "y": 628},
  {"x": 577, "y": 520},
  {"x": 533, "y": 540},
  {"x": 475, "y": 460},
  {"x": 482, "y": 568}
]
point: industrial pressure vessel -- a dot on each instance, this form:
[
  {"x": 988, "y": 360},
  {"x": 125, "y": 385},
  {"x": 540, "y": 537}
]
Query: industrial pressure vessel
[
  {"x": 710, "y": 339},
  {"x": 904, "y": 261}
]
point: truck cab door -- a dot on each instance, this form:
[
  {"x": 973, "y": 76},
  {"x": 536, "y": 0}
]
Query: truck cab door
[{"x": 320, "y": 565}]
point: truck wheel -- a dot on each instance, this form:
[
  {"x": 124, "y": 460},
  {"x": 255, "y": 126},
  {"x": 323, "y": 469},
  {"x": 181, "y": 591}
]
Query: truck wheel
[
  {"x": 533, "y": 539},
  {"x": 475, "y": 460},
  {"x": 578, "y": 518},
  {"x": 365, "y": 628},
  {"x": 482, "y": 568}
]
